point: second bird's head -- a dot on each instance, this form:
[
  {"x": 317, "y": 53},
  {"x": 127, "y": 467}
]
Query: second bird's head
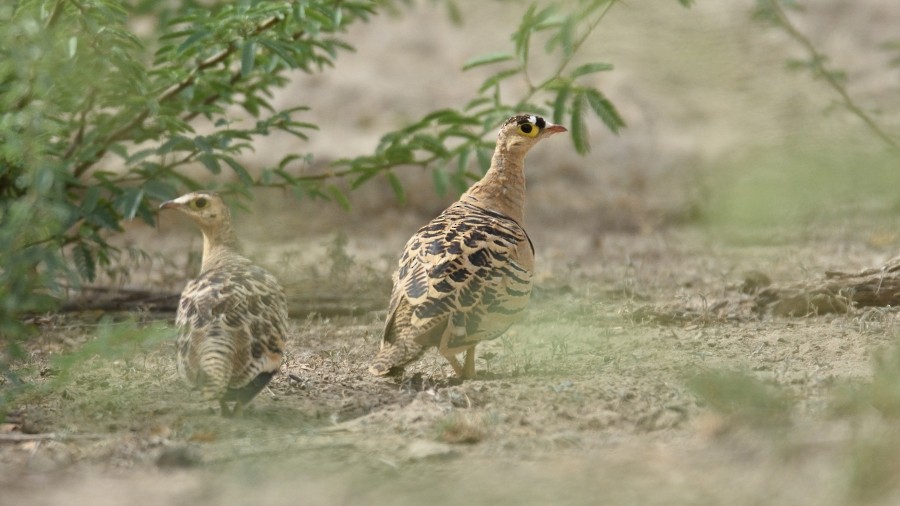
[
  {"x": 521, "y": 132},
  {"x": 207, "y": 209}
]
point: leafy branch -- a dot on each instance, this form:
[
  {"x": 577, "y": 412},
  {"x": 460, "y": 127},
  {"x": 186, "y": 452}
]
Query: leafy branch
[
  {"x": 98, "y": 123},
  {"x": 449, "y": 135},
  {"x": 773, "y": 12}
]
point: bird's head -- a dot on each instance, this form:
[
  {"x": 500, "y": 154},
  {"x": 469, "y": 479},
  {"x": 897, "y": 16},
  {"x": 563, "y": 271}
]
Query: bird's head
[
  {"x": 521, "y": 132},
  {"x": 207, "y": 209}
]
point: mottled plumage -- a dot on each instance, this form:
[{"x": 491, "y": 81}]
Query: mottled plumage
[
  {"x": 232, "y": 317},
  {"x": 466, "y": 275}
]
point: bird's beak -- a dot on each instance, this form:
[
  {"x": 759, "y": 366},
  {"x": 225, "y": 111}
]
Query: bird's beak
[
  {"x": 551, "y": 129},
  {"x": 169, "y": 204}
]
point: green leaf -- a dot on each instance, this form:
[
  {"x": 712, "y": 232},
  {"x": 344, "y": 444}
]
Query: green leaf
[
  {"x": 159, "y": 190},
  {"x": 454, "y": 13},
  {"x": 338, "y": 196},
  {"x": 239, "y": 169},
  {"x": 484, "y": 156},
  {"x": 462, "y": 160},
  {"x": 193, "y": 39},
  {"x": 605, "y": 110},
  {"x": 429, "y": 143},
  {"x": 210, "y": 162},
  {"x": 495, "y": 79},
  {"x": 282, "y": 50},
  {"x": 441, "y": 181},
  {"x": 288, "y": 159},
  {"x": 397, "y": 187},
  {"x": 590, "y": 68},
  {"x": 203, "y": 144},
  {"x": 579, "y": 128},
  {"x": 559, "y": 105},
  {"x": 366, "y": 175},
  {"x": 128, "y": 202},
  {"x": 84, "y": 262},
  {"x": 248, "y": 57},
  {"x": 567, "y": 37},
  {"x": 103, "y": 217},
  {"x": 139, "y": 156},
  {"x": 90, "y": 199},
  {"x": 487, "y": 59}
]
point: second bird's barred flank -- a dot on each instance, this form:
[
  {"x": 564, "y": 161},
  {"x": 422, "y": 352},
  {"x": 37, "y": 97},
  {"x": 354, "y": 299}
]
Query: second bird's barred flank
[
  {"x": 465, "y": 260},
  {"x": 232, "y": 317}
]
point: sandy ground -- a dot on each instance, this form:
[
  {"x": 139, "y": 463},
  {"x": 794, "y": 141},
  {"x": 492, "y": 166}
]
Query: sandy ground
[
  {"x": 580, "y": 403},
  {"x": 730, "y": 165}
]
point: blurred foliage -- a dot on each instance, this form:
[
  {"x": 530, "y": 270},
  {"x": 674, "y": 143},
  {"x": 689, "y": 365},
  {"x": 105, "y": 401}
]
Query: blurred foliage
[
  {"x": 800, "y": 184},
  {"x": 101, "y": 115},
  {"x": 742, "y": 398},
  {"x": 821, "y": 172},
  {"x": 873, "y": 408},
  {"x": 881, "y": 394},
  {"x": 775, "y": 13},
  {"x": 108, "y": 340},
  {"x": 97, "y": 123}
]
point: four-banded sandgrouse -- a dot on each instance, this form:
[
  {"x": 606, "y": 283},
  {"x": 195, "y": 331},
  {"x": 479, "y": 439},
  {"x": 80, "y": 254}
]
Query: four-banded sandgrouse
[
  {"x": 466, "y": 276},
  {"x": 233, "y": 317}
]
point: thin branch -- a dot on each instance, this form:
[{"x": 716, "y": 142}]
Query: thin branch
[
  {"x": 816, "y": 60},
  {"x": 82, "y": 122},
  {"x": 576, "y": 46},
  {"x": 54, "y": 14}
]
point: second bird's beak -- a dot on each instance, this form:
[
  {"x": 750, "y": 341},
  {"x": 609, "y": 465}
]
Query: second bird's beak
[
  {"x": 552, "y": 128},
  {"x": 169, "y": 204}
]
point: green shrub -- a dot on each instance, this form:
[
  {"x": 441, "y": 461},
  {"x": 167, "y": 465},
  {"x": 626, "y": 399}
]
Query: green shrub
[{"x": 97, "y": 122}]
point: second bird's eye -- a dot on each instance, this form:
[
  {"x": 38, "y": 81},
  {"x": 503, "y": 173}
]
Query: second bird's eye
[
  {"x": 528, "y": 130},
  {"x": 200, "y": 203}
]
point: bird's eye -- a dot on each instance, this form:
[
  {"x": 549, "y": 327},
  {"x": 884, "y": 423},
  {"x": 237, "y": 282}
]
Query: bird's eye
[
  {"x": 200, "y": 203},
  {"x": 528, "y": 130}
]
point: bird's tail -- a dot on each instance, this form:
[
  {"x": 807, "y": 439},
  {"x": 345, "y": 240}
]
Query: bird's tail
[
  {"x": 394, "y": 355},
  {"x": 216, "y": 363}
]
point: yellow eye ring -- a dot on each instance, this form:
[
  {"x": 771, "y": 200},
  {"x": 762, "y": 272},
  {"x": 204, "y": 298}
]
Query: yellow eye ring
[
  {"x": 200, "y": 203},
  {"x": 529, "y": 130}
]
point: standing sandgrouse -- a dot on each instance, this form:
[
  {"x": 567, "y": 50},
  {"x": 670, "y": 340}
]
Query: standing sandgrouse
[
  {"x": 232, "y": 317},
  {"x": 466, "y": 276}
]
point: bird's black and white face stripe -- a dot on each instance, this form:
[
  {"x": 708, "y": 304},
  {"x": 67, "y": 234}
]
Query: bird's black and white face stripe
[
  {"x": 532, "y": 120},
  {"x": 527, "y": 119},
  {"x": 526, "y": 125}
]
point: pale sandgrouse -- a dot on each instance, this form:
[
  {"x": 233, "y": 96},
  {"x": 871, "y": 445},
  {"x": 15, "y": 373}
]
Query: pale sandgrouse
[
  {"x": 232, "y": 318},
  {"x": 466, "y": 276}
]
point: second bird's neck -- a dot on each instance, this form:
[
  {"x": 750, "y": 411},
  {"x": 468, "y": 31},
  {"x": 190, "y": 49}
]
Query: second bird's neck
[
  {"x": 218, "y": 244},
  {"x": 502, "y": 189}
]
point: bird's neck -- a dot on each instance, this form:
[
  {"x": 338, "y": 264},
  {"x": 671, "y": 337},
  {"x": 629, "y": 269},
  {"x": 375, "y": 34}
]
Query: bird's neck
[
  {"x": 502, "y": 188},
  {"x": 218, "y": 244}
]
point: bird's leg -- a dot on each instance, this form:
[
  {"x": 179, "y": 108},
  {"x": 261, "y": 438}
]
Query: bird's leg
[
  {"x": 226, "y": 412},
  {"x": 454, "y": 362},
  {"x": 468, "y": 371}
]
